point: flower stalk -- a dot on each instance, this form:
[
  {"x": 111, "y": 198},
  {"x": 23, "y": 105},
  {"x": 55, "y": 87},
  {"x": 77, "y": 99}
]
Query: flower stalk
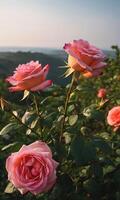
[
  {"x": 38, "y": 112},
  {"x": 66, "y": 105}
]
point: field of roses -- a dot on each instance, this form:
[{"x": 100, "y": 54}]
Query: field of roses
[{"x": 62, "y": 142}]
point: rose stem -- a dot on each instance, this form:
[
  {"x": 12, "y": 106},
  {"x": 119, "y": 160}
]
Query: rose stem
[
  {"x": 37, "y": 111},
  {"x": 66, "y": 105}
]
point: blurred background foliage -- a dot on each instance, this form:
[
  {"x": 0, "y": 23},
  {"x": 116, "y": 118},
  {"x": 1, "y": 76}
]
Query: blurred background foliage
[{"x": 89, "y": 153}]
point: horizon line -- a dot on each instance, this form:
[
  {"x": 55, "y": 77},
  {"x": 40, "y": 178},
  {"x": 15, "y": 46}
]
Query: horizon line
[{"x": 45, "y": 47}]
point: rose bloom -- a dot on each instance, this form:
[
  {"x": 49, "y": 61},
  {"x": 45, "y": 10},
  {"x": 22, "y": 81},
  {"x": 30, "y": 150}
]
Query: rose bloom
[
  {"x": 30, "y": 76},
  {"x": 113, "y": 117},
  {"x": 101, "y": 93},
  {"x": 32, "y": 168},
  {"x": 85, "y": 58}
]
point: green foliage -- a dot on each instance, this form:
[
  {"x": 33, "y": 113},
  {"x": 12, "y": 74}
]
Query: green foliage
[{"x": 83, "y": 151}]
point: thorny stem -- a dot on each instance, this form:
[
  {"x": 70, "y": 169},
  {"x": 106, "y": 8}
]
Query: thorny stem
[{"x": 66, "y": 105}]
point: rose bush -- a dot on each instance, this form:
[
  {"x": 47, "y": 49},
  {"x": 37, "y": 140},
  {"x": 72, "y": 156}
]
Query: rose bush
[
  {"x": 30, "y": 76},
  {"x": 32, "y": 168},
  {"x": 85, "y": 58},
  {"x": 72, "y": 121}
]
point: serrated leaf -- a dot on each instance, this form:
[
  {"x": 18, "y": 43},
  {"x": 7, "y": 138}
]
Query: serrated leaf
[
  {"x": 26, "y": 94},
  {"x": 73, "y": 119}
]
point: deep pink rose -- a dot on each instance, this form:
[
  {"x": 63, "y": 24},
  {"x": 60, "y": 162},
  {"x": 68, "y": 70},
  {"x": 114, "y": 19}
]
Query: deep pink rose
[
  {"x": 101, "y": 93},
  {"x": 85, "y": 58},
  {"x": 113, "y": 117},
  {"x": 30, "y": 76},
  {"x": 32, "y": 168}
]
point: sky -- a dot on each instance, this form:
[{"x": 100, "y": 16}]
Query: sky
[{"x": 51, "y": 23}]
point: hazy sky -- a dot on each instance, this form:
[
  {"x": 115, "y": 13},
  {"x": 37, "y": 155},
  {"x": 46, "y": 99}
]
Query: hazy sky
[{"x": 51, "y": 23}]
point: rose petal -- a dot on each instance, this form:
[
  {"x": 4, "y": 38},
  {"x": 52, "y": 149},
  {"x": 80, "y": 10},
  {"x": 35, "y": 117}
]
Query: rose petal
[{"x": 42, "y": 86}]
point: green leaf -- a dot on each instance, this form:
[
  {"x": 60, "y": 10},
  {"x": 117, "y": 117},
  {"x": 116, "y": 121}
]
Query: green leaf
[
  {"x": 73, "y": 119},
  {"x": 76, "y": 149},
  {"x": 60, "y": 150},
  {"x": 118, "y": 151},
  {"x": 85, "y": 131},
  {"x": 97, "y": 170},
  {"x": 108, "y": 169},
  {"x": 102, "y": 145},
  {"x": 60, "y": 118},
  {"x": 105, "y": 135},
  {"x": 29, "y": 117},
  {"x": 67, "y": 137},
  {"x": 70, "y": 108},
  {"x": 93, "y": 187},
  {"x": 9, "y": 188},
  {"x": 61, "y": 109},
  {"x": 32, "y": 125},
  {"x": 83, "y": 151},
  {"x": 92, "y": 113},
  {"x": 98, "y": 115},
  {"x": 88, "y": 111},
  {"x": 8, "y": 128}
]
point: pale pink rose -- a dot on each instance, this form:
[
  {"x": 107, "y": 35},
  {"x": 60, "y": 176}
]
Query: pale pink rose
[
  {"x": 85, "y": 58},
  {"x": 101, "y": 93},
  {"x": 32, "y": 168},
  {"x": 30, "y": 76},
  {"x": 113, "y": 117}
]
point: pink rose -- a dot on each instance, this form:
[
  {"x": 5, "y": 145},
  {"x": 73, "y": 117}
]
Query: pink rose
[
  {"x": 85, "y": 58},
  {"x": 101, "y": 93},
  {"x": 32, "y": 168},
  {"x": 113, "y": 117},
  {"x": 30, "y": 76}
]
